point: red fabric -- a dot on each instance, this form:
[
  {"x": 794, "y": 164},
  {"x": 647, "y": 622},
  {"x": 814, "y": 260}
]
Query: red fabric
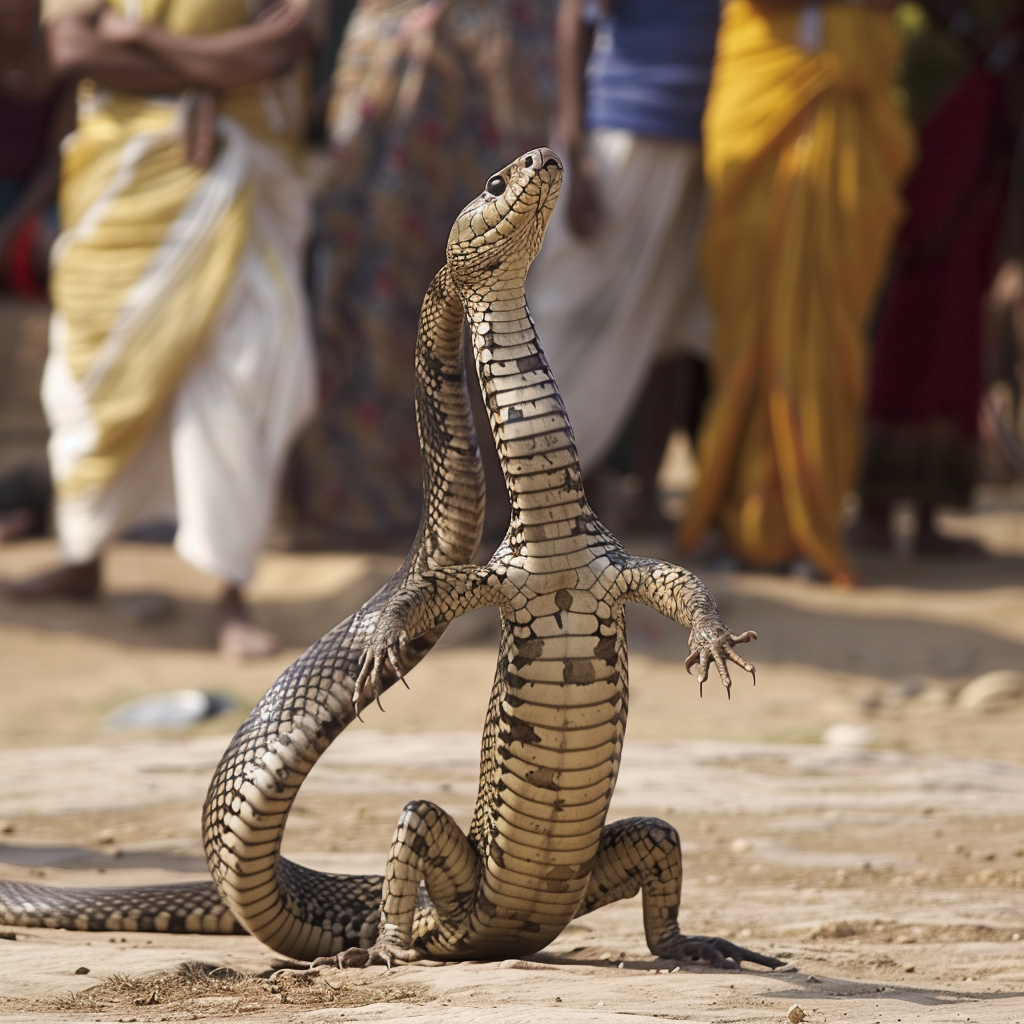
[
  {"x": 19, "y": 267},
  {"x": 927, "y": 363}
]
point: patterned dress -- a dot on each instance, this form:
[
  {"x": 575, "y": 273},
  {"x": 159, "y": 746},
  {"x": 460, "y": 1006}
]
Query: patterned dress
[{"x": 428, "y": 100}]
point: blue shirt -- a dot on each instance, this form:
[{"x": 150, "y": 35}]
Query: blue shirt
[{"x": 651, "y": 66}]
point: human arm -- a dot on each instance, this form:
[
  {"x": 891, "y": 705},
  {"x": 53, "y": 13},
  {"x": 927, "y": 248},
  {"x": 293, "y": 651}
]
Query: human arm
[
  {"x": 77, "y": 50},
  {"x": 574, "y": 39},
  {"x": 221, "y": 60}
]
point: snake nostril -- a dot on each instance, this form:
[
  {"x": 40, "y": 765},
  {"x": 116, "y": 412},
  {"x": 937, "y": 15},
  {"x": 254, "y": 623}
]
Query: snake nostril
[{"x": 552, "y": 161}]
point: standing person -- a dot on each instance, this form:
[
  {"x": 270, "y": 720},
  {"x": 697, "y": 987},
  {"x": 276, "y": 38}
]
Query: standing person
[
  {"x": 429, "y": 96},
  {"x": 805, "y": 151},
  {"x": 926, "y": 384},
  {"x": 616, "y": 290},
  {"x": 36, "y": 111},
  {"x": 180, "y": 365}
]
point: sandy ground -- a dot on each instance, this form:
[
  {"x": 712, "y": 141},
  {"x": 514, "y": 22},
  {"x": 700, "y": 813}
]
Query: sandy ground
[{"x": 891, "y": 878}]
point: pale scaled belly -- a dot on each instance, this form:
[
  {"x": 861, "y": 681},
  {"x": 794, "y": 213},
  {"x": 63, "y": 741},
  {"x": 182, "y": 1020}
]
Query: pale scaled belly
[{"x": 560, "y": 722}]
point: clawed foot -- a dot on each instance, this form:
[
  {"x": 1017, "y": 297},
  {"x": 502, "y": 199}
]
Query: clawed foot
[
  {"x": 720, "y": 953},
  {"x": 369, "y": 683},
  {"x": 385, "y": 954},
  {"x": 714, "y": 642}
]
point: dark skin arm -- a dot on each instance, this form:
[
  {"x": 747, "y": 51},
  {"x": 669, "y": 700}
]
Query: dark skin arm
[
  {"x": 77, "y": 50},
  {"x": 145, "y": 59},
  {"x": 573, "y": 42},
  {"x": 221, "y": 60}
]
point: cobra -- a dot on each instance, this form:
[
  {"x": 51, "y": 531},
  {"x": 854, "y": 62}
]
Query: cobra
[{"x": 538, "y": 851}]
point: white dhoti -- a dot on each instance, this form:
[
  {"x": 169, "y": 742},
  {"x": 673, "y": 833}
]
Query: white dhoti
[
  {"x": 608, "y": 308},
  {"x": 213, "y": 460}
]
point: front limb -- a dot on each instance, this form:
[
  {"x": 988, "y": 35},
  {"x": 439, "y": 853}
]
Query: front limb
[
  {"x": 679, "y": 595},
  {"x": 425, "y": 602}
]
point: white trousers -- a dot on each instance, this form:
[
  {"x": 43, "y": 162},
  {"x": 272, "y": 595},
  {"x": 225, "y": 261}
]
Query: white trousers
[
  {"x": 215, "y": 460},
  {"x": 608, "y": 308}
]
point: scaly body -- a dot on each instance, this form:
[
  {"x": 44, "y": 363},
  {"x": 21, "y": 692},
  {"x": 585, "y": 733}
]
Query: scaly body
[
  {"x": 538, "y": 852},
  {"x": 299, "y": 912}
]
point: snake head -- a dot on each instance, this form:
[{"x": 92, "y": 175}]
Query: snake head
[{"x": 504, "y": 226}]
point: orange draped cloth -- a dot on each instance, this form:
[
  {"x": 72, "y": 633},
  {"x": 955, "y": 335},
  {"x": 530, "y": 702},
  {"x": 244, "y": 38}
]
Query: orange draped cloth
[{"x": 805, "y": 151}]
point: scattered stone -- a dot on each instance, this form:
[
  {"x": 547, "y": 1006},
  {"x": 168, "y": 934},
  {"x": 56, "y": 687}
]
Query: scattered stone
[
  {"x": 796, "y": 1014},
  {"x": 814, "y": 979},
  {"x": 106, "y": 837},
  {"x": 992, "y": 691},
  {"x": 910, "y": 968},
  {"x": 848, "y": 736},
  {"x": 6, "y": 828},
  {"x": 176, "y": 709},
  {"x": 82, "y": 970},
  {"x": 740, "y": 845}
]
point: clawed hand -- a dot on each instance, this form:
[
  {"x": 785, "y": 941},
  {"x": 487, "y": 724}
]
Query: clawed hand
[
  {"x": 368, "y": 686},
  {"x": 715, "y": 642},
  {"x": 385, "y": 954}
]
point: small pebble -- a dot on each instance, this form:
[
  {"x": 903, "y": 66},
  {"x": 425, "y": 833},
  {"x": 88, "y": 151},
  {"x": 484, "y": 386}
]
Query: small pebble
[
  {"x": 6, "y": 828},
  {"x": 795, "y": 1014},
  {"x": 910, "y": 968},
  {"x": 82, "y": 970},
  {"x": 814, "y": 979},
  {"x": 740, "y": 845}
]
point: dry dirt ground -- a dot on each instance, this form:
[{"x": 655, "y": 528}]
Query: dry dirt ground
[{"x": 891, "y": 877}]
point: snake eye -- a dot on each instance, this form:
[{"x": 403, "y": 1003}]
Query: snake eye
[
  {"x": 528, "y": 162},
  {"x": 496, "y": 185}
]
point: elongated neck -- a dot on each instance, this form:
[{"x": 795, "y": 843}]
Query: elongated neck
[
  {"x": 531, "y": 430},
  {"x": 451, "y": 521}
]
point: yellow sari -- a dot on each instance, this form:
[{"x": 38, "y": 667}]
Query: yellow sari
[
  {"x": 150, "y": 244},
  {"x": 805, "y": 151}
]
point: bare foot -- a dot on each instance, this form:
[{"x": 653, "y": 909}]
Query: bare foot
[
  {"x": 79, "y": 582},
  {"x": 239, "y": 637}
]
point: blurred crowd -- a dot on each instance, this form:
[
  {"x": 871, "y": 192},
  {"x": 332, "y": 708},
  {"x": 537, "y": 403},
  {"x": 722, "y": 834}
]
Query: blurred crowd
[{"x": 793, "y": 231}]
